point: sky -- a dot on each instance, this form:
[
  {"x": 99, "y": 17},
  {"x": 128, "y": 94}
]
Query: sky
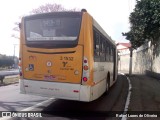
[{"x": 112, "y": 15}]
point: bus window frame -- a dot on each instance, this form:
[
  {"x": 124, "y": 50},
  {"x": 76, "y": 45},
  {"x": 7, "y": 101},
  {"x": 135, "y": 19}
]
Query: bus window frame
[
  {"x": 108, "y": 52},
  {"x": 47, "y": 44}
]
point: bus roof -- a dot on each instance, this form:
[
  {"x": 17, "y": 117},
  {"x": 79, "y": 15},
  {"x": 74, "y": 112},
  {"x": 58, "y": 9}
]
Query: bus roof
[{"x": 68, "y": 13}]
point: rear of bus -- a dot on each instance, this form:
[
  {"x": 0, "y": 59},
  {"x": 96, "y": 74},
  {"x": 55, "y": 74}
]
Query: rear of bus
[{"x": 52, "y": 56}]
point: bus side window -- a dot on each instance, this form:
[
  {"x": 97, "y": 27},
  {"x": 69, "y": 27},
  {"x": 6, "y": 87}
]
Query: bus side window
[
  {"x": 111, "y": 54},
  {"x": 102, "y": 49},
  {"x": 114, "y": 54},
  {"x": 96, "y": 38},
  {"x": 107, "y": 51}
]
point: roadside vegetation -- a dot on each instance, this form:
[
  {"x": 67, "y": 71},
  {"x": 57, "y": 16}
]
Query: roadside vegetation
[
  {"x": 7, "y": 62},
  {"x": 10, "y": 80},
  {"x": 144, "y": 23}
]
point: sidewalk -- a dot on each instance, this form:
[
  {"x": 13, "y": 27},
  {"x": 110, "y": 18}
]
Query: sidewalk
[{"x": 145, "y": 93}]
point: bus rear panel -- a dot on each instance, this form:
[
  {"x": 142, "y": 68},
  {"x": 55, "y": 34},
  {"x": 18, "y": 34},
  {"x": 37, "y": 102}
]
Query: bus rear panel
[{"x": 57, "y": 57}]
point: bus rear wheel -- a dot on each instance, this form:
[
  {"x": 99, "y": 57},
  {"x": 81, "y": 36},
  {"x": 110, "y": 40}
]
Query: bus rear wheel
[{"x": 107, "y": 85}]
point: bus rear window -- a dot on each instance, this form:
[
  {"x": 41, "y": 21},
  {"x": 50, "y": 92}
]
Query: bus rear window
[{"x": 52, "y": 29}]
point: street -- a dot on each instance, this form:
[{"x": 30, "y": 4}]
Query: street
[
  {"x": 144, "y": 98},
  {"x": 12, "y": 100}
]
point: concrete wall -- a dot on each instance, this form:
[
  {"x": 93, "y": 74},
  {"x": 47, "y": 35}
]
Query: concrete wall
[
  {"x": 145, "y": 58},
  {"x": 123, "y": 64}
]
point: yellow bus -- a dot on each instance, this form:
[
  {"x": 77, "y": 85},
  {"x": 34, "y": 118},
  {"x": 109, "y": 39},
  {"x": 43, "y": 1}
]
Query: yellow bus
[{"x": 66, "y": 55}]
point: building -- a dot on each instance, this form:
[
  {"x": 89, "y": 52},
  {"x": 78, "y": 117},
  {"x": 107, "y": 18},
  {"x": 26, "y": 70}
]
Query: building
[
  {"x": 123, "y": 48},
  {"x": 124, "y": 56}
]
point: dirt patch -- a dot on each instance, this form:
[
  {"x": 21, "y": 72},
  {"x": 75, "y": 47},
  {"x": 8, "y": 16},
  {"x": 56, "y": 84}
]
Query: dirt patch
[{"x": 8, "y": 81}]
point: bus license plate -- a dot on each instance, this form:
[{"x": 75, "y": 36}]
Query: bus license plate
[{"x": 49, "y": 77}]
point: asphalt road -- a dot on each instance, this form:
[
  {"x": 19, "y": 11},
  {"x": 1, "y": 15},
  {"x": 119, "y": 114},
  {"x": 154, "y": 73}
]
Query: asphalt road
[{"x": 12, "y": 100}]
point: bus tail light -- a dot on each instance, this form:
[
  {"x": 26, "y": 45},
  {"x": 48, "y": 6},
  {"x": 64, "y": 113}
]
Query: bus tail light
[
  {"x": 85, "y": 67},
  {"x": 85, "y": 76},
  {"x": 85, "y": 79},
  {"x": 85, "y": 61}
]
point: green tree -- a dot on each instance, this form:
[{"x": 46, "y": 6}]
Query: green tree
[
  {"x": 6, "y": 61},
  {"x": 145, "y": 23}
]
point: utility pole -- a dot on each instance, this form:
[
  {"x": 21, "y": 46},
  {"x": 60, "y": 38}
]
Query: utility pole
[
  {"x": 14, "y": 64},
  {"x": 14, "y": 50},
  {"x": 130, "y": 63}
]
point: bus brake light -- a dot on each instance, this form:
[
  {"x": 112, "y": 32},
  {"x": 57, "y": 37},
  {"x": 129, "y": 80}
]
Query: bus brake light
[
  {"x": 85, "y": 61},
  {"x": 85, "y": 79},
  {"x": 85, "y": 76}
]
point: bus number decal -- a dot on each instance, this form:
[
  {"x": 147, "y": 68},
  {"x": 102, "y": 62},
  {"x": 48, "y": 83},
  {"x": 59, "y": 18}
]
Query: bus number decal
[
  {"x": 64, "y": 64},
  {"x": 66, "y": 58}
]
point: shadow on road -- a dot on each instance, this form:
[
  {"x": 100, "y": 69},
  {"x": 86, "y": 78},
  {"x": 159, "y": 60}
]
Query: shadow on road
[{"x": 100, "y": 108}]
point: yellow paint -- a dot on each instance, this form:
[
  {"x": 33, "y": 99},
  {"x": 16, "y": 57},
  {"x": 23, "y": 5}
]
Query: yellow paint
[
  {"x": 88, "y": 45},
  {"x": 61, "y": 70},
  {"x": 59, "y": 66}
]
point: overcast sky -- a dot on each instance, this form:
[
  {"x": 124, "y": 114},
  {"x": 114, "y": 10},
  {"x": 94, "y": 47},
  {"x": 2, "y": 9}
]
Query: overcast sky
[{"x": 112, "y": 15}]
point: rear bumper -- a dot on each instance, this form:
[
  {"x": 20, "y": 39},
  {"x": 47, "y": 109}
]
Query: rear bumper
[{"x": 57, "y": 90}]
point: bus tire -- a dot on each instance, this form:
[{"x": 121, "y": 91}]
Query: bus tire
[{"x": 107, "y": 84}]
